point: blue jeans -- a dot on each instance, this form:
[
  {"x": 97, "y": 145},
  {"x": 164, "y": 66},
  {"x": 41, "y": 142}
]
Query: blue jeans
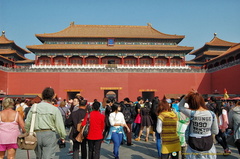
[
  {"x": 117, "y": 139},
  {"x": 158, "y": 143},
  {"x": 136, "y": 129}
]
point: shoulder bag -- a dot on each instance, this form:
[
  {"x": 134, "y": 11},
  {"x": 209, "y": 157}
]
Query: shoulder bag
[
  {"x": 203, "y": 143},
  {"x": 83, "y": 130},
  {"x": 28, "y": 141}
]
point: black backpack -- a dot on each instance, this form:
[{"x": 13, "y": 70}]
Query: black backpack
[{"x": 128, "y": 113}]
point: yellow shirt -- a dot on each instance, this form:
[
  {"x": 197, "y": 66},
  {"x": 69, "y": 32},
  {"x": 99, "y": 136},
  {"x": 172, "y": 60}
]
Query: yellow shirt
[{"x": 170, "y": 139}]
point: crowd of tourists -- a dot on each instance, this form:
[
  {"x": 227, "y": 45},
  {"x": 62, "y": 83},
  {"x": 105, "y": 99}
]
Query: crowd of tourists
[{"x": 188, "y": 126}]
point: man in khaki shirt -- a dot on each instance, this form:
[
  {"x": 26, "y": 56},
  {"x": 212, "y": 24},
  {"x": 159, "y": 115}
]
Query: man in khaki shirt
[{"x": 48, "y": 122}]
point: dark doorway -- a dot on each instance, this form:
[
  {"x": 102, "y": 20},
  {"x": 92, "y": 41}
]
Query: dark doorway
[
  {"x": 111, "y": 61},
  {"x": 72, "y": 95},
  {"x": 1, "y": 63},
  {"x": 148, "y": 95},
  {"x": 111, "y": 94}
]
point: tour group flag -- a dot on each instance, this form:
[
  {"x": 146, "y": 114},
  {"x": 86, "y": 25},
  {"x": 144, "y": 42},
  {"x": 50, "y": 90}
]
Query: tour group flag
[{"x": 225, "y": 94}]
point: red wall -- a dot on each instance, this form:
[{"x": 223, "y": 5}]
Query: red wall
[
  {"x": 228, "y": 78},
  {"x": 90, "y": 83},
  {"x": 17, "y": 83},
  {"x": 3, "y": 81}
]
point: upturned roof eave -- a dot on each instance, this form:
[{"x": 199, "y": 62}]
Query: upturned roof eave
[
  {"x": 13, "y": 52},
  {"x": 226, "y": 53},
  {"x": 25, "y": 61},
  {"x": 41, "y": 47},
  {"x": 104, "y": 30},
  {"x": 41, "y": 37},
  {"x": 5, "y": 58}
]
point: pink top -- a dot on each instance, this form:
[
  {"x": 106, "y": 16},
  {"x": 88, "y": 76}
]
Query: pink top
[
  {"x": 223, "y": 120},
  {"x": 9, "y": 131}
]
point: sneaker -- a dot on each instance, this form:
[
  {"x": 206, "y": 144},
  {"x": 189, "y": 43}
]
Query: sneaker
[
  {"x": 129, "y": 144},
  {"x": 70, "y": 153},
  {"x": 227, "y": 151},
  {"x": 137, "y": 139}
]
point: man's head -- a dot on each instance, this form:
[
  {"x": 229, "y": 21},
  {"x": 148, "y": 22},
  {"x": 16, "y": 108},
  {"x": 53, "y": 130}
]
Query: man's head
[
  {"x": 48, "y": 94},
  {"x": 83, "y": 103},
  {"x": 96, "y": 106},
  {"x": 126, "y": 100}
]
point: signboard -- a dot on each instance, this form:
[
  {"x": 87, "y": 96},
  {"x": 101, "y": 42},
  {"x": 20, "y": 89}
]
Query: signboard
[{"x": 110, "y": 41}]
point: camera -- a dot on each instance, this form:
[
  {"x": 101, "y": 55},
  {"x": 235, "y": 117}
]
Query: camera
[{"x": 61, "y": 143}]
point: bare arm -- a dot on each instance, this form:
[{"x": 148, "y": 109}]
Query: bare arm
[
  {"x": 21, "y": 123},
  {"x": 159, "y": 126}
]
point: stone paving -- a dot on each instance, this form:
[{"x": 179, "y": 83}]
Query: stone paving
[{"x": 139, "y": 150}]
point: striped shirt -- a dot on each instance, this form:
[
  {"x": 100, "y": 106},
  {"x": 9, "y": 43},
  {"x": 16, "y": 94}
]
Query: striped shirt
[{"x": 167, "y": 126}]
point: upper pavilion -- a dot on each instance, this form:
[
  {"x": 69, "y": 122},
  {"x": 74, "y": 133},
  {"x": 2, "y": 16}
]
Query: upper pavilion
[
  {"x": 11, "y": 55},
  {"x": 109, "y": 44},
  {"x": 228, "y": 58},
  {"x": 210, "y": 50}
]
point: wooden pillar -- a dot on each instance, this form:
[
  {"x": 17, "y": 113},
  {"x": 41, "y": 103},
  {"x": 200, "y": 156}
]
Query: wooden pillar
[
  {"x": 183, "y": 61},
  {"x": 51, "y": 60},
  {"x": 169, "y": 61},
  {"x": 36, "y": 60},
  {"x": 68, "y": 61},
  {"x": 99, "y": 60},
  {"x": 122, "y": 60},
  {"x": 153, "y": 61},
  {"x": 138, "y": 60},
  {"x": 226, "y": 61},
  {"x": 84, "y": 62}
]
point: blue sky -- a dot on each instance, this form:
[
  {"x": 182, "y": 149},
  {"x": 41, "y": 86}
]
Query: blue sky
[{"x": 198, "y": 20}]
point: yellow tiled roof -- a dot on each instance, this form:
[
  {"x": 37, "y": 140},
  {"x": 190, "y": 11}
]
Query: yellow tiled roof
[
  {"x": 25, "y": 61},
  {"x": 194, "y": 62},
  {"x": 109, "y": 31},
  {"x": 9, "y": 51},
  {"x": 230, "y": 50},
  {"x": 4, "y": 40},
  {"x": 214, "y": 42},
  {"x": 213, "y": 53},
  {"x": 219, "y": 42},
  {"x": 5, "y": 58},
  {"x": 105, "y": 47},
  {"x": 208, "y": 53}
]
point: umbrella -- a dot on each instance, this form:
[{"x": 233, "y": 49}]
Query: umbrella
[{"x": 236, "y": 98}]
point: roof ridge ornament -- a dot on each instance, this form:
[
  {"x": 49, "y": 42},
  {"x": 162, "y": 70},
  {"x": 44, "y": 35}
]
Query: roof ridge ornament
[
  {"x": 3, "y": 33},
  {"x": 72, "y": 23},
  {"x": 215, "y": 34},
  {"x": 149, "y": 24}
]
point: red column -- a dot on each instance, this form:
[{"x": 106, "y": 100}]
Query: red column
[
  {"x": 183, "y": 61},
  {"x": 99, "y": 60},
  {"x": 36, "y": 60},
  {"x": 169, "y": 61},
  {"x": 51, "y": 60},
  {"x": 153, "y": 61},
  {"x": 138, "y": 61},
  {"x": 68, "y": 62},
  {"x": 84, "y": 60},
  {"x": 122, "y": 60}
]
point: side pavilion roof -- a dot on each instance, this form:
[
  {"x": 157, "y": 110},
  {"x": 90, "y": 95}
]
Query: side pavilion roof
[
  {"x": 214, "y": 42},
  {"x": 4, "y": 40}
]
